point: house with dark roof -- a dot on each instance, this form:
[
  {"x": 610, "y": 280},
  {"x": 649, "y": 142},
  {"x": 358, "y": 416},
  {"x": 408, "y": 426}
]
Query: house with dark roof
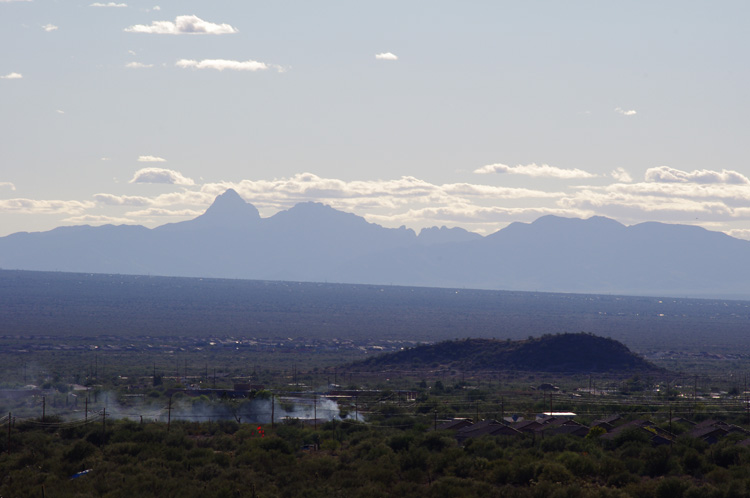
[
  {"x": 454, "y": 425},
  {"x": 491, "y": 428},
  {"x": 710, "y": 434}
]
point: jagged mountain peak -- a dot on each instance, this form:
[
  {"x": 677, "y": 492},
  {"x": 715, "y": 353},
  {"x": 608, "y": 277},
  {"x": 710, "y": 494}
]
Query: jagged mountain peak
[{"x": 230, "y": 208}]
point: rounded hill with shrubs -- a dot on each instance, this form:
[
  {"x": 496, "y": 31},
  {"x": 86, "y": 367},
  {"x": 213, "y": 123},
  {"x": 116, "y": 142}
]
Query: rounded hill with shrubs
[{"x": 564, "y": 353}]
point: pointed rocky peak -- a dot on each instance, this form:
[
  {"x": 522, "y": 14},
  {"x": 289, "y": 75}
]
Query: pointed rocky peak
[{"x": 228, "y": 209}]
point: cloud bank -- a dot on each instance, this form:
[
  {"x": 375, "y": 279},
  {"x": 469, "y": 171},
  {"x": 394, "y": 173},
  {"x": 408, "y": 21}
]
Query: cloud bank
[
  {"x": 12, "y": 76},
  {"x": 183, "y": 25},
  {"x": 714, "y": 199},
  {"x": 33, "y": 206},
  {"x": 537, "y": 170},
  {"x": 665, "y": 174},
  {"x": 386, "y": 56}
]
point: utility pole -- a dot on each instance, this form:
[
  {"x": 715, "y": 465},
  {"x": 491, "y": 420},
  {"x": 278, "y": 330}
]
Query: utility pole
[
  {"x": 104, "y": 423},
  {"x": 10, "y": 417},
  {"x": 315, "y": 412},
  {"x": 169, "y": 413},
  {"x": 44, "y": 407},
  {"x": 695, "y": 393},
  {"x": 86, "y": 411},
  {"x": 670, "y": 424},
  {"x": 356, "y": 408}
]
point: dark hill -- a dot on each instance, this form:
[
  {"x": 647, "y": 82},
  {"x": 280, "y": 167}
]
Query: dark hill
[{"x": 568, "y": 353}]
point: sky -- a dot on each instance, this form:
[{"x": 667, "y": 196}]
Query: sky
[{"x": 417, "y": 113}]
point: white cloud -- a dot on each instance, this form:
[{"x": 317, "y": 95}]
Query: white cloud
[
  {"x": 622, "y": 111},
  {"x": 191, "y": 25},
  {"x": 49, "y": 27},
  {"x": 122, "y": 200},
  {"x": 535, "y": 170},
  {"x": 151, "y": 212},
  {"x": 108, "y": 4},
  {"x": 138, "y": 65},
  {"x": 731, "y": 194},
  {"x": 160, "y": 175},
  {"x": 739, "y": 233},
  {"x": 8, "y": 184},
  {"x": 32, "y": 206},
  {"x": 185, "y": 197},
  {"x": 383, "y": 193},
  {"x": 476, "y": 217},
  {"x": 665, "y": 174},
  {"x": 98, "y": 219},
  {"x": 60, "y": 111},
  {"x": 679, "y": 202},
  {"x": 222, "y": 64},
  {"x": 621, "y": 175},
  {"x": 644, "y": 207},
  {"x": 386, "y": 56},
  {"x": 417, "y": 203},
  {"x": 8, "y": 1},
  {"x": 12, "y": 76},
  {"x": 151, "y": 159}
]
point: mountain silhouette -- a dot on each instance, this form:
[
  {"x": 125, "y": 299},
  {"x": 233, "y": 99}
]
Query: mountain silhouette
[
  {"x": 560, "y": 353},
  {"x": 314, "y": 242}
]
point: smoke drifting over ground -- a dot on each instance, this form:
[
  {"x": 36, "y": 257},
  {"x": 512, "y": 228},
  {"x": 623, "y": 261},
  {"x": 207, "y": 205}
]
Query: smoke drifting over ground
[{"x": 203, "y": 409}]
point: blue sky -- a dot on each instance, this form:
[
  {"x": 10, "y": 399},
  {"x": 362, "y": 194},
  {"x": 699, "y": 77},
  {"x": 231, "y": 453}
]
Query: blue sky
[{"x": 418, "y": 113}]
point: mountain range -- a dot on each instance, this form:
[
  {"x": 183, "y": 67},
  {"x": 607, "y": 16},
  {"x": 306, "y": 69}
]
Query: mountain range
[{"x": 314, "y": 242}]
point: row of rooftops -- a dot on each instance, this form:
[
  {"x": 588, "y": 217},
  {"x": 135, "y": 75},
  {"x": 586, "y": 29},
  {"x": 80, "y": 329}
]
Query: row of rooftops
[{"x": 710, "y": 431}]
